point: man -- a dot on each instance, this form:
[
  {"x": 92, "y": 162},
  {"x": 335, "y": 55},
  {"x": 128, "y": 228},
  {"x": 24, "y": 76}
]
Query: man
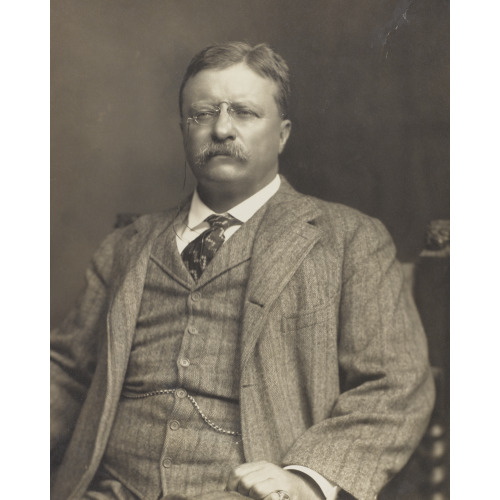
[{"x": 253, "y": 343}]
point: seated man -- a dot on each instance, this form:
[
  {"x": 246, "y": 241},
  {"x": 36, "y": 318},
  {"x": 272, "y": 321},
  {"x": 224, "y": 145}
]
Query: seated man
[{"x": 253, "y": 342}]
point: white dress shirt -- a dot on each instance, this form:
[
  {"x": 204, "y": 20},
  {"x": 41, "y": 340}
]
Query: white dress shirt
[{"x": 195, "y": 224}]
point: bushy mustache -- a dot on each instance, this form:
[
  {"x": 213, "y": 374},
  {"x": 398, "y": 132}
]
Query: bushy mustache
[{"x": 211, "y": 149}]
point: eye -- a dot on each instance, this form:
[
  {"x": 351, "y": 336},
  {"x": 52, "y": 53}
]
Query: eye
[
  {"x": 244, "y": 113},
  {"x": 205, "y": 115}
]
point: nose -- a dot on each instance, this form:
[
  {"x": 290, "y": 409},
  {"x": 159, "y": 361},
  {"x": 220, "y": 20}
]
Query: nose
[{"x": 223, "y": 127}]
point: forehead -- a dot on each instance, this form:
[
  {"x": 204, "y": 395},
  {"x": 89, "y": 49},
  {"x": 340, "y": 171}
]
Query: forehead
[{"x": 234, "y": 84}]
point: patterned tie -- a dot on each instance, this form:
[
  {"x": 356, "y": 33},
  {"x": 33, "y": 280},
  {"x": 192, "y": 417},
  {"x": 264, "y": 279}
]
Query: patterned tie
[{"x": 202, "y": 250}]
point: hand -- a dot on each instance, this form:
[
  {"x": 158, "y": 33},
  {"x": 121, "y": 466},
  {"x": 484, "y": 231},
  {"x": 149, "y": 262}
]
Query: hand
[
  {"x": 219, "y": 495},
  {"x": 261, "y": 480},
  {"x": 214, "y": 495}
]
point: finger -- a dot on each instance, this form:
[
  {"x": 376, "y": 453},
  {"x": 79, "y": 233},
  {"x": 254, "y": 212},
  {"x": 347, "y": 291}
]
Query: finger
[
  {"x": 266, "y": 489},
  {"x": 250, "y": 481},
  {"x": 241, "y": 471},
  {"x": 218, "y": 495},
  {"x": 247, "y": 467},
  {"x": 272, "y": 496}
]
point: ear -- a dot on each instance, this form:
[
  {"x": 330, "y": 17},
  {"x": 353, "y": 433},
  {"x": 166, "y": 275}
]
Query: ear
[{"x": 285, "y": 128}]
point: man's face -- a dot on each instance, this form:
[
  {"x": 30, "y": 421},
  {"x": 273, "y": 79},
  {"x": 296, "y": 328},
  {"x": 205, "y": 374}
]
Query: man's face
[{"x": 238, "y": 151}]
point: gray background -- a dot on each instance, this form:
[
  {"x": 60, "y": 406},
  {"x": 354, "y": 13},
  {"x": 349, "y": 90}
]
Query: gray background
[{"x": 370, "y": 110}]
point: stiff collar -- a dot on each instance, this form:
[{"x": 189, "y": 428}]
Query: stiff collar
[{"x": 198, "y": 211}]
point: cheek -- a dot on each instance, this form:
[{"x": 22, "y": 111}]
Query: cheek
[
  {"x": 194, "y": 140},
  {"x": 265, "y": 142}
]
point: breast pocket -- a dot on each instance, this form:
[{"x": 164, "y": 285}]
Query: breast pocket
[{"x": 306, "y": 319}]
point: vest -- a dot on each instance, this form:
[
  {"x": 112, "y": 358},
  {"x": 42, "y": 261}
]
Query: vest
[{"x": 177, "y": 427}]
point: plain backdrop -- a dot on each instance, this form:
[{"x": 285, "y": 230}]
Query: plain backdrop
[{"x": 370, "y": 111}]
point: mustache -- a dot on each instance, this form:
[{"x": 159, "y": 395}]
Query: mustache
[{"x": 211, "y": 149}]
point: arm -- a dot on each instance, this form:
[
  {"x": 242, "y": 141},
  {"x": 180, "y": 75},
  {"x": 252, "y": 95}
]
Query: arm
[
  {"x": 74, "y": 348},
  {"x": 387, "y": 390},
  {"x": 329, "y": 490}
]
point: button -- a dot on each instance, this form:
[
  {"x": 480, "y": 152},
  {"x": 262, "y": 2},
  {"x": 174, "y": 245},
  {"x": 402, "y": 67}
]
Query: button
[
  {"x": 436, "y": 431},
  {"x": 181, "y": 393},
  {"x": 184, "y": 362},
  {"x": 174, "y": 425},
  {"x": 193, "y": 330},
  {"x": 438, "y": 475},
  {"x": 196, "y": 296},
  {"x": 438, "y": 450},
  {"x": 167, "y": 463}
]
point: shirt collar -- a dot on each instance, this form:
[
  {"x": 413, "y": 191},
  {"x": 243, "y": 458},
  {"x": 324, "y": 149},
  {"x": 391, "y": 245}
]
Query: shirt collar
[{"x": 198, "y": 211}]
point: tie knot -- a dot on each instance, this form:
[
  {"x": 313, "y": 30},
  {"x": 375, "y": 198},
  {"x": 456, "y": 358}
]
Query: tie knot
[{"x": 223, "y": 221}]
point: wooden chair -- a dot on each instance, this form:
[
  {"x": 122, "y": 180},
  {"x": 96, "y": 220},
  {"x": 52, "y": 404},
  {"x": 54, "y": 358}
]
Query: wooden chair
[{"x": 426, "y": 476}]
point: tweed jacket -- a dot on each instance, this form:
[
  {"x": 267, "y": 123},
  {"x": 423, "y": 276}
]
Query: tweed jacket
[{"x": 334, "y": 367}]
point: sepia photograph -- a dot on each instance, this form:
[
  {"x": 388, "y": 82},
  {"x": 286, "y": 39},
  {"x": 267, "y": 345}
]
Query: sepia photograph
[{"x": 250, "y": 250}]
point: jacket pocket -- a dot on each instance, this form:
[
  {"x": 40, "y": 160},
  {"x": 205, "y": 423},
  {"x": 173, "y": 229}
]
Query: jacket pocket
[{"x": 305, "y": 319}]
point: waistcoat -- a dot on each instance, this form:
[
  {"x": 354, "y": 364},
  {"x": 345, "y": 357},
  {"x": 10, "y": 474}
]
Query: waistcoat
[{"x": 177, "y": 428}]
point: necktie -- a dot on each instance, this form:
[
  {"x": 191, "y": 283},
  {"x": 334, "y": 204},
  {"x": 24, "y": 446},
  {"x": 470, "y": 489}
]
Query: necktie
[{"x": 202, "y": 250}]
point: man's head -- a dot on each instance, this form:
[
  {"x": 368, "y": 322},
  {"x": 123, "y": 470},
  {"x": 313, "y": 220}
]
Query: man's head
[
  {"x": 260, "y": 58},
  {"x": 234, "y": 103}
]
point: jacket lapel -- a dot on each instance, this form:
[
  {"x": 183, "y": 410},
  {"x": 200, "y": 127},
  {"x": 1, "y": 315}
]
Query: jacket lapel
[
  {"x": 283, "y": 240},
  {"x": 166, "y": 254},
  {"x": 125, "y": 302},
  {"x": 122, "y": 319},
  {"x": 124, "y": 309}
]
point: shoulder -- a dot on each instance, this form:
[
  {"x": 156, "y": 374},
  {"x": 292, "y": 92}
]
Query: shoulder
[
  {"x": 341, "y": 226},
  {"x": 349, "y": 224},
  {"x": 360, "y": 242},
  {"x": 327, "y": 214},
  {"x": 131, "y": 225},
  {"x": 150, "y": 223},
  {"x": 124, "y": 243}
]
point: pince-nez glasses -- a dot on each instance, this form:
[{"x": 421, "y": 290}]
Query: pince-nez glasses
[{"x": 238, "y": 113}]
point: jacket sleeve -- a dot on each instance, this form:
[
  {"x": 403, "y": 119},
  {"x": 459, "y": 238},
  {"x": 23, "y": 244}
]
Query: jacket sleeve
[
  {"x": 387, "y": 390},
  {"x": 74, "y": 348}
]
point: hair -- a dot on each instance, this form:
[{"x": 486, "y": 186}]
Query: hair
[{"x": 260, "y": 58}]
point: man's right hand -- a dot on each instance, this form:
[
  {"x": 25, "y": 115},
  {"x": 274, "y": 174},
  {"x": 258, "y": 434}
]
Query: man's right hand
[
  {"x": 220, "y": 495},
  {"x": 214, "y": 495}
]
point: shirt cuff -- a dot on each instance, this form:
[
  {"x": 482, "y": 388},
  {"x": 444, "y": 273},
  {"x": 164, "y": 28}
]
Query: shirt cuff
[{"x": 330, "y": 491}]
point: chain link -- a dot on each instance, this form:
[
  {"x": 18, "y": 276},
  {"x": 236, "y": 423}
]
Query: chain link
[{"x": 214, "y": 426}]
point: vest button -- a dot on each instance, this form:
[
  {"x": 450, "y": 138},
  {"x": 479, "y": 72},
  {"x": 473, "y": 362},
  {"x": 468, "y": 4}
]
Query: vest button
[
  {"x": 196, "y": 296},
  {"x": 167, "y": 463},
  {"x": 174, "y": 425},
  {"x": 181, "y": 393},
  {"x": 193, "y": 330},
  {"x": 184, "y": 362}
]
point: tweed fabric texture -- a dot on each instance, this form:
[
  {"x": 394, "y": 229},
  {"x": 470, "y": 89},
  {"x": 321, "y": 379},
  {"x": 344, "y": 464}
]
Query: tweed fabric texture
[
  {"x": 172, "y": 328},
  {"x": 176, "y": 451},
  {"x": 334, "y": 372},
  {"x": 199, "y": 252}
]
